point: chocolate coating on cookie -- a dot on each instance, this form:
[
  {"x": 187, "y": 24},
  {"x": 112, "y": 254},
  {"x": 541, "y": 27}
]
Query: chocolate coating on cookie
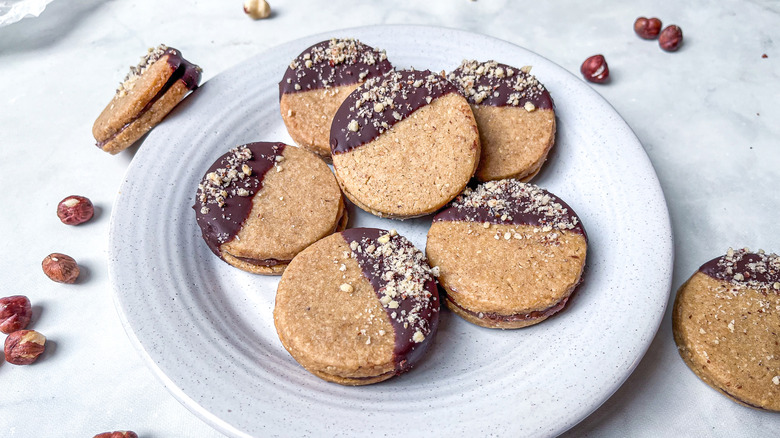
[
  {"x": 495, "y": 84},
  {"x": 759, "y": 271},
  {"x": 332, "y": 63},
  {"x": 224, "y": 196},
  {"x": 382, "y": 102},
  {"x": 404, "y": 285},
  {"x": 510, "y": 201}
]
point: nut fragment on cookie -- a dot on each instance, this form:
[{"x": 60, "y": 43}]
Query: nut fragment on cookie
[
  {"x": 380, "y": 329},
  {"x": 725, "y": 322},
  {"x": 534, "y": 244},
  {"x": 148, "y": 93}
]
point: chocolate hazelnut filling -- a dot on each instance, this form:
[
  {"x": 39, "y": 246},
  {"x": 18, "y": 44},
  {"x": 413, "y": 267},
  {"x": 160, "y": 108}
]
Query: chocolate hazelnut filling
[
  {"x": 185, "y": 71},
  {"x": 536, "y": 314}
]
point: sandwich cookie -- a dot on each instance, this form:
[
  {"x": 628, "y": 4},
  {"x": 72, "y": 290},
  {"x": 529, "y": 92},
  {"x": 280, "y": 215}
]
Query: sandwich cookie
[
  {"x": 404, "y": 144},
  {"x": 260, "y": 204},
  {"x": 515, "y": 116},
  {"x": 726, "y": 323},
  {"x": 317, "y": 82},
  {"x": 148, "y": 93},
  {"x": 510, "y": 254},
  {"x": 358, "y": 307}
]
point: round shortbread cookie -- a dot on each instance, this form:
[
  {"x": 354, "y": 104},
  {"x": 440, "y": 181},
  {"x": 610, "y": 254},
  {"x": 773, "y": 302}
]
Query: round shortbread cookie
[
  {"x": 404, "y": 144},
  {"x": 149, "y": 92},
  {"x": 357, "y": 307},
  {"x": 260, "y": 204},
  {"x": 726, "y": 323},
  {"x": 317, "y": 82},
  {"x": 510, "y": 254},
  {"x": 515, "y": 116}
]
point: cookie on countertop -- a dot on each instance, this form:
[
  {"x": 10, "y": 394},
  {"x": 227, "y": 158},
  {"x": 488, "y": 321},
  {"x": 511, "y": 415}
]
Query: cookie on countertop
[
  {"x": 726, "y": 323},
  {"x": 404, "y": 144},
  {"x": 358, "y": 307},
  {"x": 515, "y": 115},
  {"x": 510, "y": 254},
  {"x": 262, "y": 203},
  {"x": 317, "y": 82},
  {"x": 148, "y": 93}
]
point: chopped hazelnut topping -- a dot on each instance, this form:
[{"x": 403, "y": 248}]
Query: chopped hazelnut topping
[
  {"x": 346, "y": 287},
  {"x": 478, "y": 81}
]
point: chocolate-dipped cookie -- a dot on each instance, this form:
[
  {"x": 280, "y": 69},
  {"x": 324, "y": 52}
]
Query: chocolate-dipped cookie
[
  {"x": 515, "y": 116},
  {"x": 510, "y": 254},
  {"x": 404, "y": 144},
  {"x": 317, "y": 82},
  {"x": 148, "y": 93},
  {"x": 726, "y": 323},
  {"x": 357, "y": 307},
  {"x": 260, "y": 204}
]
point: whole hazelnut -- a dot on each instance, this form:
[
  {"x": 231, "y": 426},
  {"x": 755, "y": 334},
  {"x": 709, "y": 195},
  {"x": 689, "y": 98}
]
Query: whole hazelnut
[
  {"x": 117, "y": 434},
  {"x": 647, "y": 28},
  {"x": 671, "y": 38},
  {"x": 15, "y": 313},
  {"x": 24, "y": 346},
  {"x": 75, "y": 210},
  {"x": 257, "y": 9},
  {"x": 595, "y": 69},
  {"x": 60, "y": 268}
]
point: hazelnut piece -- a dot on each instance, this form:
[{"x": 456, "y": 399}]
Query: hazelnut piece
[
  {"x": 671, "y": 38},
  {"x": 595, "y": 69},
  {"x": 257, "y": 9},
  {"x": 75, "y": 210},
  {"x": 647, "y": 28},
  {"x": 117, "y": 434},
  {"x": 15, "y": 313},
  {"x": 60, "y": 268},
  {"x": 23, "y": 347}
]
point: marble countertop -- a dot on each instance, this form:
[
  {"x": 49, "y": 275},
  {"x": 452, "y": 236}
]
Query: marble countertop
[{"x": 707, "y": 116}]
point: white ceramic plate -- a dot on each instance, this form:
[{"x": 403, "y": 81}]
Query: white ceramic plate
[{"x": 206, "y": 328}]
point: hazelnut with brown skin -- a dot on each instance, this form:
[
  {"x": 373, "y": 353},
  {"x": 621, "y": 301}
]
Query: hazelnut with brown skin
[
  {"x": 671, "y": 38},
  {"x": 595, "y": 69},
  {"x": 117, "y": 434},
  {"x": 15, "y": 313},
  {"x": 23, "y": 347},
  {"x": 60, "y": 268},
  {"x": 75, "y": 210},
  {"x": 647, "y": 28}
]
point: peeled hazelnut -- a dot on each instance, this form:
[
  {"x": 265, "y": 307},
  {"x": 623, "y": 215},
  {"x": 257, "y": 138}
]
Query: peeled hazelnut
[
  {"x": 60, "y": 268},
  {"x": 647, "y": 28},
  {"x": 595, "y": 69},
  {"x": 23, "y": 347},
  {"x": 15, "y": 313},
  {"x": 75, "y": 210},
  {"x": 117, "y": 434},
  {"x": 257, "y": 9},
  {"x": 671, "y": 38}
]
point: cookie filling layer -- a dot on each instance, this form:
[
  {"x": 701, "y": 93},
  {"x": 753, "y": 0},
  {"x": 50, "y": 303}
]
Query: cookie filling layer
[
  {"x": 333, "y": 63},
  {"x": 494, "y": 84},
  {"x": 224, "y": 197},
  {"x": 744, "y": 269},
  {"x": 511, "y": 202},
  {"x": 536, "y": 314},
  {"x": 380, "y": 103},
  {"x": 183, "y": 71},
  {"x": 404, "y": 285}
]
